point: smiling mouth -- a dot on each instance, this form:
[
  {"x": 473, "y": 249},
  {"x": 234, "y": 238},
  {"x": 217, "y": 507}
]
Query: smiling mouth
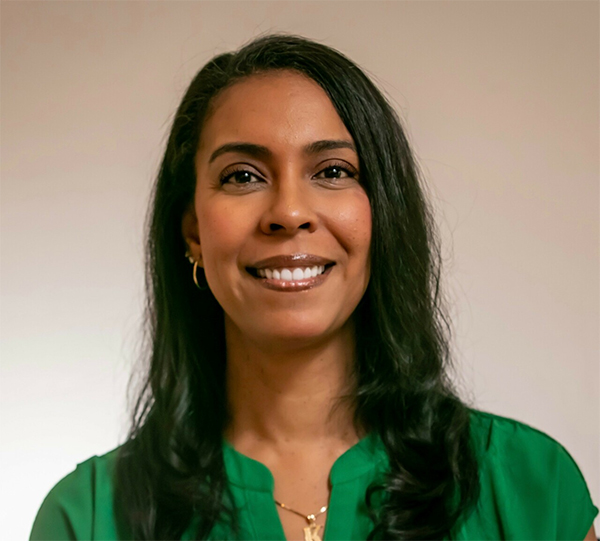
[
  {"x": 290, "y": 274},
  {"x": 291, "y": 278}
]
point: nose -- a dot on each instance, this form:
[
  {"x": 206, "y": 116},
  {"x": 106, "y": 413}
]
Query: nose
[{"x": 290, "y": 207}]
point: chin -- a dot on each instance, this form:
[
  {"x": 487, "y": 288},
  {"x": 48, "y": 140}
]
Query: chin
[{"x": 294, "y": 336}]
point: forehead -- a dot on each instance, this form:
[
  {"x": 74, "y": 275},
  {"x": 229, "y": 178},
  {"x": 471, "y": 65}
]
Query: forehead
[{"x": 273, "y": 109}]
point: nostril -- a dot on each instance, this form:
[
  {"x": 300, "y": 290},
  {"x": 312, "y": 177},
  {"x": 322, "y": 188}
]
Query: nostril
[{"x": 276, "y": 227}]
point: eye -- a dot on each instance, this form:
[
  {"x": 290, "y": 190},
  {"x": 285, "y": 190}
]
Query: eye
[
  {"x": 238, "y": 176},
  {"x": 337, "y": 171}
]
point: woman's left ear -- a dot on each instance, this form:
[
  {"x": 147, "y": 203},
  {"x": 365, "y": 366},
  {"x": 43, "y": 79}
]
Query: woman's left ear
[{"x": 191, "y": 235}]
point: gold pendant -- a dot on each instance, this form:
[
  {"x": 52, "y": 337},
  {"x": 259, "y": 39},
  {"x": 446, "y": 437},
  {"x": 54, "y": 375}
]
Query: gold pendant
[{"x": 311, "y": 533}]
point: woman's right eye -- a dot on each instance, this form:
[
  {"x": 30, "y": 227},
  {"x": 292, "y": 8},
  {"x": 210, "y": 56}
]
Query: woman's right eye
[{"x": 240, "y": 176}]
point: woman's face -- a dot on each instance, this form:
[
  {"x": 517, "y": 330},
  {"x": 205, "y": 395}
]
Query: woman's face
[{"x": 277, "y": 175}]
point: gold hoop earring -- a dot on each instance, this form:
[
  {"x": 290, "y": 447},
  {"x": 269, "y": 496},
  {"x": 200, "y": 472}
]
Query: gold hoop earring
[
  {"x": 191, "y": 259},
  {"x": 203, "y": 287}
]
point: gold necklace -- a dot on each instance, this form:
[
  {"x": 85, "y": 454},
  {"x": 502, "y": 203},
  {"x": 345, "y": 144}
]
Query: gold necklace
[{"x": 311, "y": 532}]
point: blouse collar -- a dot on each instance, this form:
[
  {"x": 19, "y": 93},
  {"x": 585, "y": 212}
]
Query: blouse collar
[{"x": 360, "y": 459}]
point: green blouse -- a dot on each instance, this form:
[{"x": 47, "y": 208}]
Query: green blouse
[{"x": 531, "y": 488}]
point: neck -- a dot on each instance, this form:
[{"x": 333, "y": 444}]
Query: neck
[{"x": 285, "y": 396}]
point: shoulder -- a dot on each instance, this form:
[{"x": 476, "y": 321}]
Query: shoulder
[
  {"x": 497, "y": 435},
  {"x": 508, "y": 445},
  {"x": 530, "y": 485},
  {"x": 71, "y": 508}
]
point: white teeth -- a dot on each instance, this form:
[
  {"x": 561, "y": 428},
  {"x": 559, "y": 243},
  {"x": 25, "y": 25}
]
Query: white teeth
[{"x": 291, "y": 274}]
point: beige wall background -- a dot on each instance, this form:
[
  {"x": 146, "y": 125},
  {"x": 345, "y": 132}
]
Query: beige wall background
[{"x": 500, "y": 100}]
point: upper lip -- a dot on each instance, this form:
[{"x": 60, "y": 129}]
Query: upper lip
[{"x": 291, "y": 261}]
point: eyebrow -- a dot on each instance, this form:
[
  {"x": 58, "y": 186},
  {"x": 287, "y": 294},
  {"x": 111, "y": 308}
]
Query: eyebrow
[{"x": 260, "y": 151}]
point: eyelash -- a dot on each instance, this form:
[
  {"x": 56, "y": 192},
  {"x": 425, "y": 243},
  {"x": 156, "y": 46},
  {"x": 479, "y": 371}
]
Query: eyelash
[{"x": 228, "y": 173}]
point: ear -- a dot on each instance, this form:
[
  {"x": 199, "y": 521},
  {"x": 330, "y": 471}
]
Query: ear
[{"x": 191, "y": 233}]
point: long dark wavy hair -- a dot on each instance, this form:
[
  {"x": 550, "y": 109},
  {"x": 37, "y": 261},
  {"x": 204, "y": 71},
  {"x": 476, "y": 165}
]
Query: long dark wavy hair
[{"x": 171, "y": 469}]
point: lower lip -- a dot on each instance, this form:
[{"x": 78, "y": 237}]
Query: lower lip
[{"x": 293, "y": 286}]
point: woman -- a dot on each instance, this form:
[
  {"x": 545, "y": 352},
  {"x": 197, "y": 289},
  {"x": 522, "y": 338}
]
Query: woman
[{"x": 298, "y": 383}]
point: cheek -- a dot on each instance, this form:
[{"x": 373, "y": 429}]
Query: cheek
[
  {"x": 353, "y": 221},
  {"x": 222, "y": 231}
]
